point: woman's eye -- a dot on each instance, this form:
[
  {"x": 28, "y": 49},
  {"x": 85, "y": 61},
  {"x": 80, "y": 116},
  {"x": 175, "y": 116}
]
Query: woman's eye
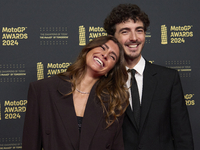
[
  {"x": 102, "y": 47},
  {"x": 113, "y": 57}
]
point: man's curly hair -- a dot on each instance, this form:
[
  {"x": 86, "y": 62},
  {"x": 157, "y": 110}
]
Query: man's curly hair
[{"x": 122, "y": 13}]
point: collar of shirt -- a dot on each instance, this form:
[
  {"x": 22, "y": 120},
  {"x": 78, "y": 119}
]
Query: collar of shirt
[{"x": 139, "y": 67}]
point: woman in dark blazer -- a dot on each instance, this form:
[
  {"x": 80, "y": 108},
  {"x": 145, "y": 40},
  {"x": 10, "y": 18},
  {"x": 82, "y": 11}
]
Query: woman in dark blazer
[{"x": 81, "y": 109}]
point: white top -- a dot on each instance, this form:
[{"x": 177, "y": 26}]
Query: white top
[{"x": 139, "y": 67}]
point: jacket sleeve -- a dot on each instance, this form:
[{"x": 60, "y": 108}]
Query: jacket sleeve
[
  {"x": 180, "y": 122},
  {"x": 118, "y": 143},
  {"x": 31, "y": 139}
]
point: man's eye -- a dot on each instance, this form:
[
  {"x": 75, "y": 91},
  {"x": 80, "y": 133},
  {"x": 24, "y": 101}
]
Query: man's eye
[
  {"x": 140, "y": 30},
  {"x": 124, "y": 32}
]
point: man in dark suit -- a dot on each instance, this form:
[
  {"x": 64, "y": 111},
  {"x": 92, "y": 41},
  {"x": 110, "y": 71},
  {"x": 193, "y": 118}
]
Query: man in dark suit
[{"x": 160, "y": 121}]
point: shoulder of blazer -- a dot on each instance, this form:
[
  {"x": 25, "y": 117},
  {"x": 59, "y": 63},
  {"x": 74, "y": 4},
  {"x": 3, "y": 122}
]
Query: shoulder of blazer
[
  {"x": 158, "y": 68},
  {"x": 50, "y": 83}
]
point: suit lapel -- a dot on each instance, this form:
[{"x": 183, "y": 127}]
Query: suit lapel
[
  {"x": 67, "y": 114},
  {"x": 149, "y": 86},
  {"x": 92, "y": 117},
  {"x": 130, "y": 115}
]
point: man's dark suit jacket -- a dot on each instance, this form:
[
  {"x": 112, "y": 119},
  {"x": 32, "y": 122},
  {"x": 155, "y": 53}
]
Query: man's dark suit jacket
[
  {"x": 164, "y": 120},
  {"x": 51, "y": 122}
]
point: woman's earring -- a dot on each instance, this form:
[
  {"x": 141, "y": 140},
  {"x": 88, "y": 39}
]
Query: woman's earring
[{"x": 106, "y": 75}]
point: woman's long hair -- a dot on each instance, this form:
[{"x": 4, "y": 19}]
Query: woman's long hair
[{"x": 111, "y": 89}]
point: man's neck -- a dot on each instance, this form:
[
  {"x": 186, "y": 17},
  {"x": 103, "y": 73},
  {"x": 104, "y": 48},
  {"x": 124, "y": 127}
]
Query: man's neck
[{"x": 130, "y": 63}]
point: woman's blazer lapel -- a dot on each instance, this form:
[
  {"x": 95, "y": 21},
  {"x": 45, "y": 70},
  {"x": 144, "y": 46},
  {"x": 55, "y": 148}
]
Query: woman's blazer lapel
[
  {"x": 91, "y": 120},
  {"x": 67, "y": 114}
]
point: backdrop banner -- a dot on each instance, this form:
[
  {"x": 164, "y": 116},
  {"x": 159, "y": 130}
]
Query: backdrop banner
[{"x": 40, "y": 38}]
